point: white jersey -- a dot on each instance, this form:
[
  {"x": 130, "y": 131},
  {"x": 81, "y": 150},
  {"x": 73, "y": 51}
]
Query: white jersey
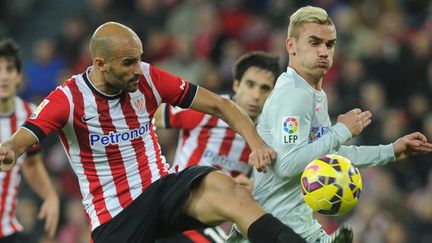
[
  {"x": 109, "y": 139},
  {"x": 295, "y": 122},
  {"x": 10, "y": 180}
]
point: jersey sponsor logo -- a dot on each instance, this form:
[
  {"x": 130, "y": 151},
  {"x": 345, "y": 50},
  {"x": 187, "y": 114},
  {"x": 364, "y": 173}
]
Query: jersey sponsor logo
[
  {"x": 39, "y": 109},
  {"x": 290, "y": 129},
  {"x": 119, "y": 137},
  {"x": 317, "y": 132}
]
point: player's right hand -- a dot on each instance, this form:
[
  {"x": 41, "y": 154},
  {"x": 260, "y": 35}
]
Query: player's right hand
[
  {"x": 7, "y": 158},
  {"x": 261, "y": 156},
  {"x": 355, "y": 120}
]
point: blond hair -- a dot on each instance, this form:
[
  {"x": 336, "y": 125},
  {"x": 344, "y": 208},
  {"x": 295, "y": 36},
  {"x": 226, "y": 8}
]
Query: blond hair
[{"x": 308, "y": 14}]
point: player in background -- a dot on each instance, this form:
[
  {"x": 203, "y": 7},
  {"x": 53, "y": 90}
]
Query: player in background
[
  {"x": 296, "y": 123},
  {"x": 208, "y": 140},
  {"x": 104, "y": 120},
  {"x": 14, "y": 112}
]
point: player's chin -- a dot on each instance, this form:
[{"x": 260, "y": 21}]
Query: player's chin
[
  {"x": 132, "y": 87},
  {"x": 321, "y": 71},
  {"x": 5, "y": 96}
]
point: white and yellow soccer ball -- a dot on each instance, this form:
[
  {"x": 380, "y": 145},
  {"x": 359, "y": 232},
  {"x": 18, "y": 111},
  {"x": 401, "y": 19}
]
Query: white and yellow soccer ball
[{"x": 331, "y": 185}]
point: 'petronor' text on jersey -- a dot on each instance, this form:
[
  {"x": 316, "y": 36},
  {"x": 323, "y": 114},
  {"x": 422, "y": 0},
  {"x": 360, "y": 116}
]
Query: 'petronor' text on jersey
[{"x": 117, "y": 137}]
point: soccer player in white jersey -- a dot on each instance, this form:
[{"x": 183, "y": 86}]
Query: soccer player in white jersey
[
  {"x": 104, "y": 120},
  {"x": 14, "y": 112},
  {"x": 298, "y": 95},
  {"x": 208, "y": 140}
]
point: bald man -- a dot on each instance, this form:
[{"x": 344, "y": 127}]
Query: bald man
[{"x": 129, "y": 194}]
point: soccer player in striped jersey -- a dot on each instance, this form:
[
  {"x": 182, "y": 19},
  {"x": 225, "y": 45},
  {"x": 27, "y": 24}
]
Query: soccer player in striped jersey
[
  {"x": 14, "y": 112},
  {"x": 129, "y": 194},
  {"x": 208, "y": 140},
  {"x": 295, "y": 122}
]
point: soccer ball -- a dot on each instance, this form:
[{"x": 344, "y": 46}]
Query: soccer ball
[{"x": 331, "y": 185}]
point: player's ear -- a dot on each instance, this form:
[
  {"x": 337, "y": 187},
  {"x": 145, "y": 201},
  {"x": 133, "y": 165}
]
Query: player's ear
[
  {"x": 289, "y": 44},
  {"x": 236, "y": 85},
  {"x": 99, "y": 64},
  {"x": 19, "y": 80}
]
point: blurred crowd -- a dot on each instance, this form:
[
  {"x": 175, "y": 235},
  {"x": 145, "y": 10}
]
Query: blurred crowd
[{"x": 383, "y": 63}]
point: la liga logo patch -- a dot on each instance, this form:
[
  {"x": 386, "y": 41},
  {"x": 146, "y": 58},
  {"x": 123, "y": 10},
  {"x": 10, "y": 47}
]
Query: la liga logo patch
[
  {"x": 290, "y": 126},
  {"x": 39, "y": 109}
]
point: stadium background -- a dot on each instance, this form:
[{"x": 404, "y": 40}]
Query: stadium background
[{"x": 383, "y": 63}]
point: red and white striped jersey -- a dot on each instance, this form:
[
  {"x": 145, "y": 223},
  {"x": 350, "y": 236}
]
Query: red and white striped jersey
[
  {"x": 109, "y": 139},
  {"x": 207, "y": 140},
  {"x": 10, "y": 180}
]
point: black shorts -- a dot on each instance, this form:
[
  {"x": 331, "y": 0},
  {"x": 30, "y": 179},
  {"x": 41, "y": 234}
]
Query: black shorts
[
  {"x": 13, "y": 238},
  {"x": 157, "y": 213},
  {"x": 216, "y": 234}
]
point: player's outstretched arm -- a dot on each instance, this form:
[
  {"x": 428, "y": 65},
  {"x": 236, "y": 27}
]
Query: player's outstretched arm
[
  {"x": 16, "y": 145},
  {"x": 38, "y": 179},
  {"x": 411, "y": 144},
  {"x": 213, "y": 104}
]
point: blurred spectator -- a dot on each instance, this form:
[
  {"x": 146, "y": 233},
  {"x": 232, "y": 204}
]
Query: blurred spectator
[
  {"x": 148, "y": 15},
  {"x": 231, "y": 50},
  {"x": 74, "y": 31},
  {"x": 183, "y": 61},
  {"x": 27, "y": 210},
  {"x": 372, "y": 97},
  {"x": 76, "y": 230},
  {"x": 99, "y": 12},
  {"x": 42, "y": 71},
  {"x": 157, "y": 46},
  {"x": 182, "y": 19},
  {"x": 208, "y": 32},
  {"x": 255, "y": 34}
]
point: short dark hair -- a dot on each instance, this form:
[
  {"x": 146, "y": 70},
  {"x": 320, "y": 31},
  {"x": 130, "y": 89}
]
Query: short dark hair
[
  {"x": 258, "y": 59},
  {"x": 10, "y": 50}
]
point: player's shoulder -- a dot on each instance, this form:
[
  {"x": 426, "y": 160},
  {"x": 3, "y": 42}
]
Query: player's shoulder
[{"x": 290, "y": 92}]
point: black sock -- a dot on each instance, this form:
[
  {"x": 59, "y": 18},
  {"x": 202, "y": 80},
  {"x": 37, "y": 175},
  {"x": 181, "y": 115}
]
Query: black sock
[
  {"x": 268, "y": 229},
  {"x": 288, "y": 235}
]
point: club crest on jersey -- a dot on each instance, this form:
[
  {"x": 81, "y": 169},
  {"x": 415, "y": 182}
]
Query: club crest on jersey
[
  {"x": 138, "y": 103},
  {"x": 290, "y": 129},
  {"x": 39, "y": 109}
]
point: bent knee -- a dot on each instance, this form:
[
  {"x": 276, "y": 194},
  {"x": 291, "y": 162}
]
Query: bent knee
[
  {"x": 222, "y": 184},
  {"x": 221, "y": 196},
  {"x": 226, "y": 193}
]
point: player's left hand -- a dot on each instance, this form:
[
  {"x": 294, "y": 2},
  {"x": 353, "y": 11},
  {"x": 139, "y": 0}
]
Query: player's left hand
[
  {"x": 411, "y": 144},
  {"x": 261, "y": 157},
  {"x": 50, "y": 212}
]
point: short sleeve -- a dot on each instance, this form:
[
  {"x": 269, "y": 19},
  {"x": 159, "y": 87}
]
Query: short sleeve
[
  {"x": 51, "y": 115},
  {"x": 172, "y": 89}
]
